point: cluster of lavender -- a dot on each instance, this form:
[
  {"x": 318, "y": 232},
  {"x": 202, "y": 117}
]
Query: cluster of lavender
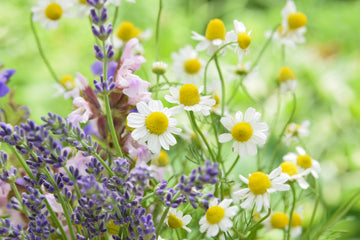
[{"x": 187, "y": 190}]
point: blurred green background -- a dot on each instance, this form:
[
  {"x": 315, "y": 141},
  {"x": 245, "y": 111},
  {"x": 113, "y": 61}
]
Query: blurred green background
[{"x": 327, "y": 67}]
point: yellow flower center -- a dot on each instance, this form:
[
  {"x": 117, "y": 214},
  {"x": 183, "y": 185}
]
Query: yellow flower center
[
  {"x": 83, "y": 2},
  {"x": 162, "y": 160},
  {"x": 68, "y": 82},
  {"x": 244, "y": 40},
  {"x": 53, "y": 11},
  {"x": 259, "y": 182},
  {"x": 286, "y": 74},
  {"x": 289, "y": 168},
  {"x": 217, "y": 100},
  {"x": 174, "y": 222},
  {"x": 189, "y": 95},
  {"x": 215, "y": 214},
  {"x": 242, "y": 132},
  {"x": 192, "y": 66},
  {"x": 157, "y": 122},
  {"x": 304, "y": 161},
  {"x": 112, "y": 227},
  {"x": 127, "y": 31},
  {"x": 297, "y": 20},
  {"x": 279, "y": 220},
  {"x": 289, "y": 128},
  {"x": 215, "y": 30},
  {"x": 296, "y": 220}
]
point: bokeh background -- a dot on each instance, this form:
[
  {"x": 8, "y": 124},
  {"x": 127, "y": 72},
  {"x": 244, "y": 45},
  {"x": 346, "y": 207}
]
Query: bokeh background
[{"x": 327, "y": 67}]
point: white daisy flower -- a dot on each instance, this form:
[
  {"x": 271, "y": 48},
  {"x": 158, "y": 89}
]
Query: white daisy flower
[
  {"x": 187, "y": 65},
  {"x": 153, "y": 125},
  {"x": 296, "y": 225},
  {"x": 49, "y": 12},
  {"x": 217, "y": 217},
  {"x": 83, "y": 8},
  {"x": 214, "y": 37},
  {"x": 69, "y": 87},
  {"x": 175, "y": 220},
  {"x": 127, "y": 31},
  {"x": 287, "y": 80},
  {"x": 240, "y": 36},
  {"x": 292, "y": 29},
  {"x": 304, "y": 162},
  {"x": 247, "y": 132},
  {"x": 260, "y": 185},
  {"x": 295, "y": 131},
  {"x": 292, "y": 171},
  {"x": 159, "y": 67},
  {"x": 188, "y": 98}
]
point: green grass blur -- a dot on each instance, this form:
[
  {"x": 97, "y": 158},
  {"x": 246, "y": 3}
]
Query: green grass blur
[{"x": 327, "y": 67}]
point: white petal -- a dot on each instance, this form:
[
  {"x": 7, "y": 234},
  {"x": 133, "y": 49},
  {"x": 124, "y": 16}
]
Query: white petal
[
  {"x": 143, "y": 108},
  {"x": 276, "y": 172},
  {"x": 251, "y": 149},
  {"x": 244, "y": 179},
  {"x": 231, "y": 211},
  {"x": 225, "y": 137},
  {"x": 227, "y": 122},
  {"x": 259, "y": 202},
  {"x": 249, "y": 114},
  {"x": 300, "y": 150},
  {"x": 225, "y": 203},
  {"x": 225, "y": 224},
  {"x": 213, "y": 230},
  {"x": 248, "y": 202}
]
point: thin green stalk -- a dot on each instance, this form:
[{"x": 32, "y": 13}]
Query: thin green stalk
[
  {"x": 177, "y": 234},
  {"x": 159, "y": 226},
  {"x": 317, "y": 200},
  {"x": 261, "y": 220},
  {"x": 222, "y": 85},
  {"x": 292, "y": 210},
  {"x": 197, "y": 129},
  {"x": 282, "y": 132},
  {"x": 157, "y": 31},
  {"x": 62, "y": 202},
  {"x": 22, "y": 162},
  {"x": 157, "y": 86},
  {"x": 166, "y": 79},
  {"x": 18, "y": 196},
  {"x": 232, "y": 166},
  {"x": 41, "y": 51},
  {"x": 115, "y": 16}
]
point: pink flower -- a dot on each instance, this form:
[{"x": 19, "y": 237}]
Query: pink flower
[
  {"x": 137, "y": 150},
  {"x": 82, "y": 114},
  {"x": 79, "y": 161}
]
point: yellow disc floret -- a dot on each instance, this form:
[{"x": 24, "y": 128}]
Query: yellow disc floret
[
  {"x": 162, "y": 160},
  {"x": 244, "y": 40},
  {"x": 53, "y": 11},
  {"x": 174, "y": 222},
  {"x": 215, "y": 30},
  {"x": 242, "y": 132},
  {"x": 157, "y": 122},
  {"x": 259, "y": 182},
  {"x": 297, "y": 20},
  {"x": 189, "y": 95},
  {"x": 279, "y": 220},
  {"x": 296, "y": 220},
  {"x": 192, "y": 66},
  {"x": 289, "y": 168},
  {"x": 215, "y": 214},
  {"x": 286, "y": 74},
  {"x": 68, "y": 82},
  {"x": 127, "y": 31},
  {"x": 304, "y": 161}
]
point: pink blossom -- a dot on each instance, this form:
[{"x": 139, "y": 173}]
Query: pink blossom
[
  {"x": 82, "y": 113},
  {"x": 137, "y": 150}
]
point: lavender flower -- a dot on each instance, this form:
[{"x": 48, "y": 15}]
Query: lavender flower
[
  {"x": 4, "y": 79},
  {"x": 10, "y": 231}
]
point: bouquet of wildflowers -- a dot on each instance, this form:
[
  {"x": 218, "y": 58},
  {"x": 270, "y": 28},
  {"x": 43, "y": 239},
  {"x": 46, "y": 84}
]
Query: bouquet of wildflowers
[{"x": 141, "y": 160}]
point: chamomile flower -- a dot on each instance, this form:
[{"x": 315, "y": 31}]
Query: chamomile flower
[
  {"x": 49, "y": 12},
  {"x": 296, "y": 225},
  {"x": 295, "y": 131},
  {"x": 291, "y": 169},
  {"x": 287, "y": 80},
  {"x": 217, "y": 217},
  {"x": 187, "y": 65},
  {"x": 260, "y": 185},
  {"x": 127, "y": 31},
  {"x": 247, "y": 131},
  {"x": 68, "y": 87},
  {"x": 153, "y": 125},
  {"x": 304, "y": 162},
  {"x": 277, "y": 220},
  {"x": 214, "y": 37},
  {"x": 175, "y": 220},
  {"x": 188, "y": 98},
  {"x": 159, "y": 67},
  {"x": 240, "y": 36}
]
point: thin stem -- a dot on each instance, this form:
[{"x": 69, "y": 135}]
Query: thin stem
[
  {"x": 157, "y": 31},
  {"x": 159, "y": 226},
  {"x": 18, "y": 196},
  {"x": 62, "y": 202},
  {"x": 292, "y": 210},
  {"x": 115, "y": 16},
  {"x": 22, "y": 162},
  {"x": 261, "y": 220},
  {"x": 316, "y": 204},
  {"x": 41, "y": 51},
  {"x": 197, "y": 129},
  {"x": 157, "y": 86},
  {"x": 282, "y": 131},
  {"x": 222, "y": 85},
  {"x": 177, "y": 234},
  {"x": 232, "y": 166}
]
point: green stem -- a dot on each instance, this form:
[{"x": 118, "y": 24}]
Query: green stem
[
  {"x": 115, "y": 16},
  {"x": 157, "y": 86},
  {"x": 177, "y": 234},
  {"x": 282, "y": 132},
  {"x": 22, "y": 162},
  {"x": 62, "y": 202},
  {"x": 222, "y": 85},
  {"x": 197, "y": 129},
  {"x": 232, "y": 166},
  {"x": 41, "y": 51},
  {"x": 166, "y": 79},
  {"x": 18, "y": 196},
  {"x": 157, "y": 30},
  {"x": 292, "y": 210},
  {"x": 159, "y": 226},
  {"x": 315, "y": 207},
  {"x": 261, "y": 220}
]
